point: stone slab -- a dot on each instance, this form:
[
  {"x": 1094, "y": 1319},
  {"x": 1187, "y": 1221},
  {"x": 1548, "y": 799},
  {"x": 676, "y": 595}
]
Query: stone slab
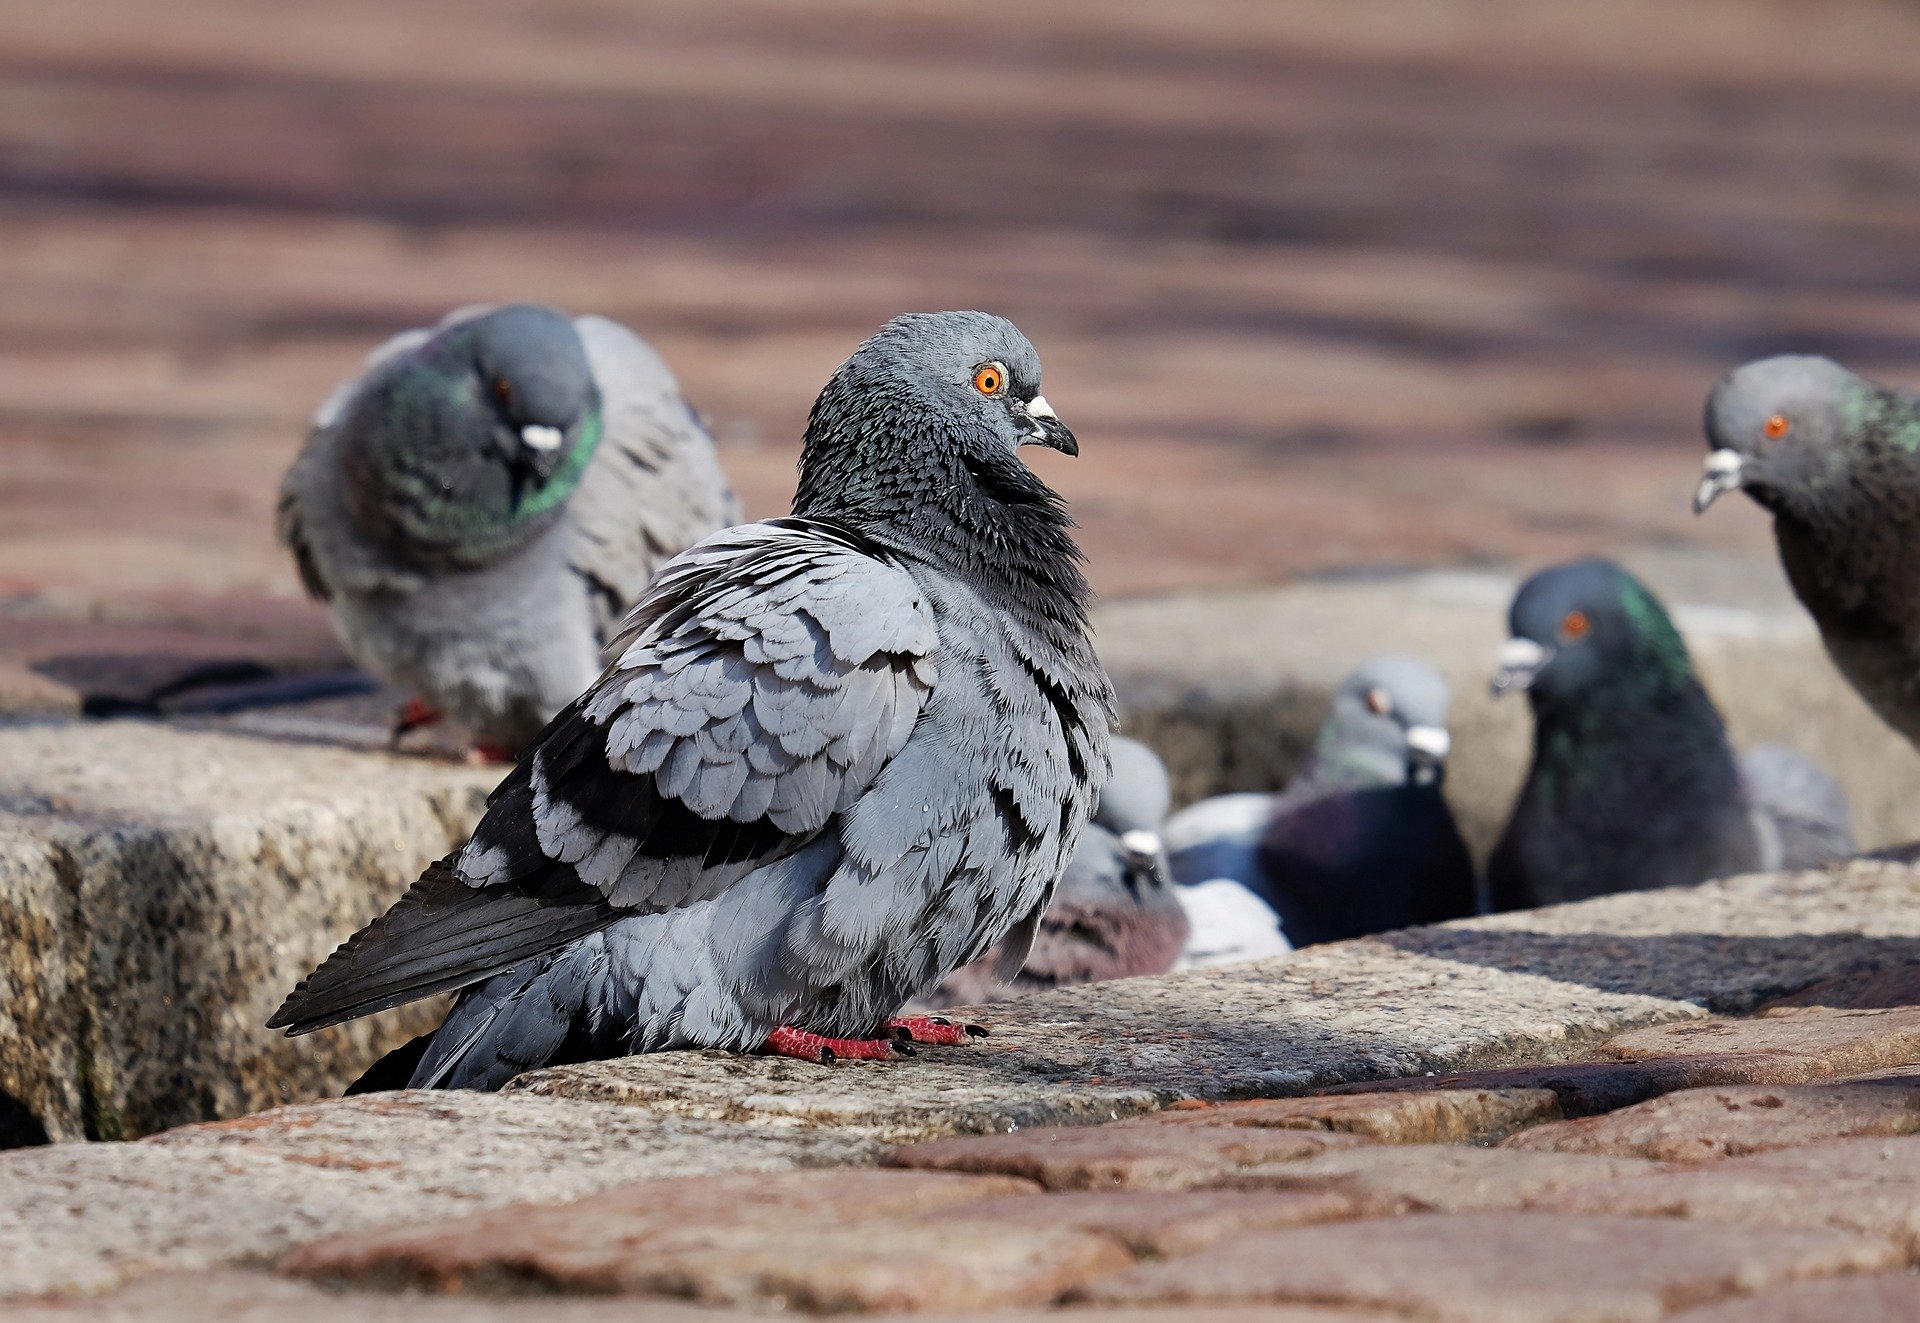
[
  {"x": 1119, "y": 1157},
  {"x": 86, "y": 1217},
  {"x": 1420, "y": 1178},
  {"x": 1704, "y": 1125},
  {"x": 161, "y": 891},
  {"x": 1501, "y": 1267},
  {"x": 1454, "y": 1116},
  {"x": 1164, "y": 1223},
  {"x": 1838, "y": 1042},
  {"x": 1867, "y": 1298},
  {"x": 1548, "y": 985},
  {"x": 1872, "y": 990}
]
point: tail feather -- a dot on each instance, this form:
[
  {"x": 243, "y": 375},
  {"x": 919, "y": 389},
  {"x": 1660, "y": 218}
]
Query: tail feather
[{"x": 441, "y": 935}]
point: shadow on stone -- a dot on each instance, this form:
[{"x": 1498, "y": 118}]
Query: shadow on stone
[{"x": 19, "y": 1127}]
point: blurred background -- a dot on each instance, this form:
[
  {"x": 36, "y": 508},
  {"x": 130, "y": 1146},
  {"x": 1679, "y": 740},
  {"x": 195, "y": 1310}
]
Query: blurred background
[{"x": 1321, "y": 286}]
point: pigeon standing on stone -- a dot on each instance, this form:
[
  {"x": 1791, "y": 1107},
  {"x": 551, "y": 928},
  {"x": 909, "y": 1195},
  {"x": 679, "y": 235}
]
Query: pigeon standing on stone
[
  {"x": 838, "y": 756},
  {"x": 1836, "y": 460},
  {"x": 1633, "y": 783},
  {"x": 1114, "y": 914},
  {"x": 480, "y": 507},
  {"x": 1361, "y": 841}
]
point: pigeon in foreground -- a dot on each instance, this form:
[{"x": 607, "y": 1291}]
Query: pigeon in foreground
[
  {"x": 1633, "y": 783},
  {"x": 1836, "y": 460},
  {"x": 839, "y": 755},
  {"x": 1361, "y": 841},
  {"x": 1114, "y": 914},
  {"x": 481, "y": 506}
]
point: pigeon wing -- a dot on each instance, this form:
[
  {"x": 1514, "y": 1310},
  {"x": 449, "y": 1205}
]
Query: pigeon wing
[
  {"x": 1800, "y": 814},
  {"x": 767, "y": 678},
  {"x": 655, "y": 485}
]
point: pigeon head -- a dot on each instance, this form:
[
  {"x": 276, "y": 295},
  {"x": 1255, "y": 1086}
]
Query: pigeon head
[
  {"x": 1585, "y": 628},
  {"x": 921, "y": 428},
  {"x": 1781, "y": 429},
  {"x": 461, "y": 448},
  {"x": 1137, "y": 794},
  {"x": 1388, "y": 726}
]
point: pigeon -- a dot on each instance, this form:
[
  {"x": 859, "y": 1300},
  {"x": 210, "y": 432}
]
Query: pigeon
[
  {"x": 1836, "y": 460},
  {"x": 1633, "y": 783},
  {"x": 836, "y": 756},
  {"x": 1361, "y": 841},
  {"x": 1114, "y": 914},
  {"x": 481, "y": 506}
]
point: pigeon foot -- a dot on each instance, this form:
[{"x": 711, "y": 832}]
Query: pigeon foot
[
  {"x": 417, "y": 713},
  {"x": 934, "y": 1029},
  {"x": 787, "y": 1042}
]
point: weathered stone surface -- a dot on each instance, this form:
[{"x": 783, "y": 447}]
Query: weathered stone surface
[
  {"x": 1496, "y": 1267},
  {"x": 1872, "y": 990},
  {"x": 161, "y": 890},
  {"x": 1162, "y": 1223},
  {"x": 1866, "y": 1185},
  {"x": 1702, "y": 1125},
  {"x": 1452, "y": 1116},
  {"x": 1840, "y": 1042},
  {"x": 88, "y": 1216},
  {"x": 592, "y": 1243},
  {"x": 1870, "y": 1296},
  {"x": 1417, "y": 1178},
  {"x": 1119, "y": 1157}
]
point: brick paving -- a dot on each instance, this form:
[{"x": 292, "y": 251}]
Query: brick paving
[{"x": 1418, "y": 1202}]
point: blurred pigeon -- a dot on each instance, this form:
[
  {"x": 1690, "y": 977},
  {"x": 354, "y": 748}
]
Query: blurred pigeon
[
  {"x": 1836, "y": 460},
  {"x": 1362, "y": 840},
  {"x": 1633, "y": 783},
  {"x": 838, "y": 756},
  {"x": 481, "y": 506},
  {"x": 1114, "y": 914}
]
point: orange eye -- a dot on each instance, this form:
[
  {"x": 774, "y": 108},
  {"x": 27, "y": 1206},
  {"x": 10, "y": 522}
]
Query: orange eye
[
  {"x": 990, "y": 379},
  {"x": 1379, "y": 701},
  {"x": 1777, "y": 426},
  {"x": 502, "y": 389},
  {"x": 1574, "y": 626}
]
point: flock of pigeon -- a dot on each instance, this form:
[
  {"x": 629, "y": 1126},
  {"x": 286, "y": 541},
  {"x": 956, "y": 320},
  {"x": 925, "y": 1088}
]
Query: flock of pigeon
[{"x": 797, "y": 786}]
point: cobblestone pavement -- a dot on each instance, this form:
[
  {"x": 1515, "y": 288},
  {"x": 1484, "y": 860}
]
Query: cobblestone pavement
[{"x": 1756, "y": 1168}]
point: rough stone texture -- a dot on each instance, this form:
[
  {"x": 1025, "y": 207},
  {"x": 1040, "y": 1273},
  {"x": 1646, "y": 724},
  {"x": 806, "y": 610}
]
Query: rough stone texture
[
  {"x": 1482, "y": 993},
  {"x": 1119, "y": 1157},
  {"x": 1163, "y": 1223},
  {"x": 592, "y": 1244},
  {"x": 1873, "y": 990},
  {"x": 1868, "y": 1298},
  {"x": 1836, "y": 1042},
  {"x": 1436, "y": 1117},
  {"x": 87, "y": 1216},
  {"x": 1866, "y": 1185},
  {"x": 1702, "y": 1125},
  {"x": 1501, "y": 1267},
  {"x": 160, "y": 891},
  {"x": 1421, "y": 1178}
]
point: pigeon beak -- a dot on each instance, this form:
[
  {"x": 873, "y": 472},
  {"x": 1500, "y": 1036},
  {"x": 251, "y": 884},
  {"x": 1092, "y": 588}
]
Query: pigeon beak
[
  {"x": 1722, "y": 476},
  {"x": 1520, "y": 662},
  {"x": 1046, "y": 429},
  {"x": 1427, "y": 750},
  {"x": 1142, "y": 847},
  {"x": 544, "y": 446}
]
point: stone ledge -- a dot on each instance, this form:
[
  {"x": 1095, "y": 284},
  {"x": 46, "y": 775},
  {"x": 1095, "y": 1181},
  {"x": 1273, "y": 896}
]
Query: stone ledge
[{"x": 161, "y": 890}]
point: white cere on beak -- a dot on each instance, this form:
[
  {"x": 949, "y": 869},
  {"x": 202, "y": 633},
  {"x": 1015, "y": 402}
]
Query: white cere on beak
[
  {"x": 1520, "y": 660},
  {"x": 1037, "y": 407},
  {"x": 1141, "y": 844},
  {"x": 1433, "y": 741},
  {"x": 1722, "y": 476},
  {"x": 541, "y": 437}
]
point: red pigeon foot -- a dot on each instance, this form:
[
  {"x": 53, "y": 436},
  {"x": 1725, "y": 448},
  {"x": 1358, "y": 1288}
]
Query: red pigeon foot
[
  {"x": 494, "y": 753},
  {"x": 785, "y": 1042},
  {"x": 417, "y": 713},
  {"x": 934, "y": 1029}
]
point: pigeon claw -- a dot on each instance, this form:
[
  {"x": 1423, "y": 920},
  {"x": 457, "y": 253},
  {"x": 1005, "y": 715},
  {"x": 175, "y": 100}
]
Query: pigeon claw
[
  {"x": 818, "y": 1048},
  {"x": 934, "y": 1029},
  {"x": 417, "y": 713}
]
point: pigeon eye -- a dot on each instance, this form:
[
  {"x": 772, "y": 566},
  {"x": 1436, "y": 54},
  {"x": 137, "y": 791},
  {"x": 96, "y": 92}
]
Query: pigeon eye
[
  {"x": 1574, "y": 626},
  {"x": 990, "y": 379},
  {"x": 502, "y": 390},
  {"x": 1379, "y": 701},
  {"x": 1777, "y": 426}
]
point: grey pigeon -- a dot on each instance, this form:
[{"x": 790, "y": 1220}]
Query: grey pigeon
[
  {"x": 1633, "y": 783},
  {"x": 1361, "y": 841},
  {"x": 838, "y": 756},
  {"x": 481, "y": 506},
  {"x": 1836, "y": 460},
  {"x": 1114, "y": 914}
]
